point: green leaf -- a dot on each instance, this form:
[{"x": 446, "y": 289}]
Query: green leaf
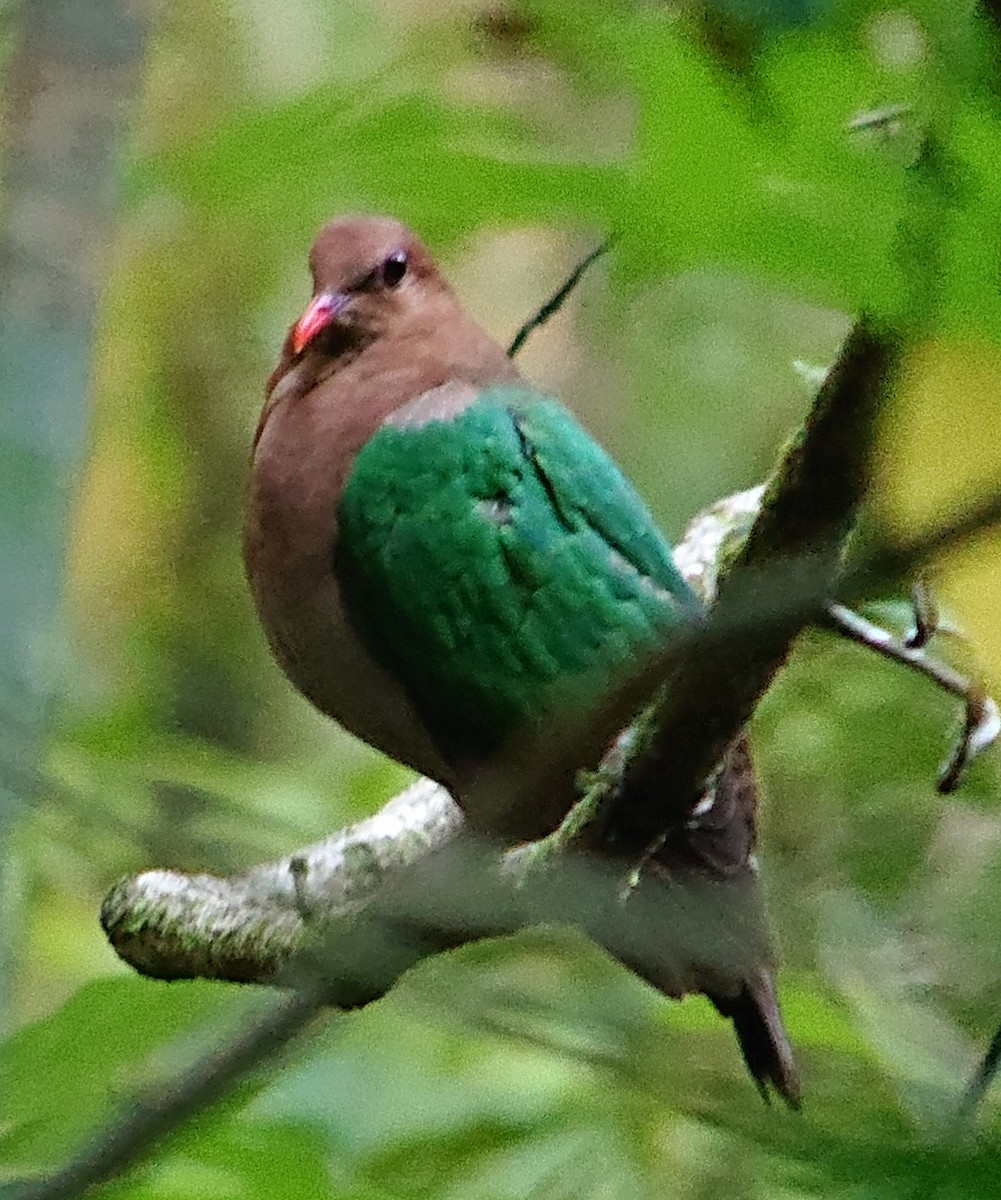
[{"x": 63, "y": 1075}]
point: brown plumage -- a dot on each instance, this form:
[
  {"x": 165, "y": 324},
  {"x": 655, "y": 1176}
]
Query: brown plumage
[
  {"x": 713, "y": 859},
  {"x": 322, "y": 405},
  {"x": 384, "y": 341}
]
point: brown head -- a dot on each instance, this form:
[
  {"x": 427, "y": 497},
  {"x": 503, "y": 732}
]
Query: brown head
[
  {"x": 373, "y": 278},
  {"x": 381, "y": 331},
  {"x": 382, "y": 327},
  {"x": 369, "y": 274}
]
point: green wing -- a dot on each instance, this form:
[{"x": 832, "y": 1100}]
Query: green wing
[{"x": 501, "y": 567}]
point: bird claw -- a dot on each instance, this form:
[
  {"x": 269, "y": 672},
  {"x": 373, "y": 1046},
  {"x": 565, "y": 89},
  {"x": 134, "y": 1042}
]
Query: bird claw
[{"x": 981, "y": 721}]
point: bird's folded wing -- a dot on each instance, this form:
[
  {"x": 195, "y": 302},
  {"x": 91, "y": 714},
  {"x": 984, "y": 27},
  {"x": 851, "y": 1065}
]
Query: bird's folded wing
[{"x": 501, "y": 567}]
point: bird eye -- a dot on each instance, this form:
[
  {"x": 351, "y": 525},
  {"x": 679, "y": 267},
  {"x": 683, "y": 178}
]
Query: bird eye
[{"x": 394, "y": 268}]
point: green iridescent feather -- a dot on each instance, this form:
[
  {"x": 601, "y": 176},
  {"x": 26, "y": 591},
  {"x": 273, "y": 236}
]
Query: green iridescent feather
[{"x": 501, "y": 567}]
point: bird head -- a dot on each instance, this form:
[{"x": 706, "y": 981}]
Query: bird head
[
  {"x": 369, "y": 274},
  {"x": 382, "y": 325}
]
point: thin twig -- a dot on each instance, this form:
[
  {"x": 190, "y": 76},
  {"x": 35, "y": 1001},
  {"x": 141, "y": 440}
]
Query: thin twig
[
  {"x": 149, "y": 1120},
  {"x": 888, "y": 119},
  {"x": 926, "y": 615},
  {"x": 981, "y": 720},
  {"x": 864, "y": 632},
  {"x": 981, "y": 726},
  {"x": 556, "y": 301},
  {"x": 984, "y": 1076}
]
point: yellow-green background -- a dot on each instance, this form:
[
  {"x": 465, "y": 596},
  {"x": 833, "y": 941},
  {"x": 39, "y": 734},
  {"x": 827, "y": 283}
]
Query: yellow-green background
[{"x": 751, "y": 224}]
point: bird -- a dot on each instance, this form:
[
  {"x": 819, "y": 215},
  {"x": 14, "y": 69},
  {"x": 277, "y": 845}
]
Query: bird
[{"x": 446, "y": 563}]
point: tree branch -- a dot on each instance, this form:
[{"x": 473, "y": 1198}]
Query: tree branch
[
  {"x": 773, "y": 582},
  {"x": 151, "y": 1118},
  {"x": 342, "y": 919},
  {"x": 251, "y": 927}
]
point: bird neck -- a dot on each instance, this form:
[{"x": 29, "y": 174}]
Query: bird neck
[{"x": 435, "y": 345}]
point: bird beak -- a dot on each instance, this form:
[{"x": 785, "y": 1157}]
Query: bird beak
[{"x": 323, "y": 310}]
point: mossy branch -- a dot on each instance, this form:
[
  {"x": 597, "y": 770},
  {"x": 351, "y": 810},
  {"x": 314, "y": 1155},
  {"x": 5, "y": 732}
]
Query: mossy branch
[
  {"x": 772, "y": 583},
  {"x": 251, "y": 927},
  {"x": 778, "y": 556}
]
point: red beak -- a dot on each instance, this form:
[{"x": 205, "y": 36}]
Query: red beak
[{"x": 323, "y": 310}]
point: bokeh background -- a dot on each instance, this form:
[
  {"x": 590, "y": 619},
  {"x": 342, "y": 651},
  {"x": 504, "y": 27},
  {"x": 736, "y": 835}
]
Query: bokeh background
[{"x": 145, "y": 724}]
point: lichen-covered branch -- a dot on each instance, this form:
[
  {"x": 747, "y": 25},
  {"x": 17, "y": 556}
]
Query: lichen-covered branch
[
  {"x": 777, "y": 555},
  {"x": 247, "y": 928},
  {"x": 772, "y": 583}
]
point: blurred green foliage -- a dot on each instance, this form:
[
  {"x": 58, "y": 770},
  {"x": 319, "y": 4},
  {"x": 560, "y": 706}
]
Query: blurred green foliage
[{"x": 752, "y": 219}]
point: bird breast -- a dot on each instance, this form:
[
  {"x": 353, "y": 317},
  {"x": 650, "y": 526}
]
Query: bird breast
[{"x": 290, "y": 538}]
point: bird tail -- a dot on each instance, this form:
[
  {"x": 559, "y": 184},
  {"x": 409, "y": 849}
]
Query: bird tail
[{"x": 764, "y": 1043}]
